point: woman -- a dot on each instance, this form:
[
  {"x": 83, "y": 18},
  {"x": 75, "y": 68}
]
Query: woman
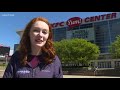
[{"x": 36, "y": 56}]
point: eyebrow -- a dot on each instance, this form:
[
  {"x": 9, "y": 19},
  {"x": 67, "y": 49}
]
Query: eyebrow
[{"x": 40, "y": 29}]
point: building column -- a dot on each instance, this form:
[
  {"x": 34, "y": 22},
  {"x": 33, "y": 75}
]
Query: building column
[
  {"x": 96, "y": 64},
  {"x": 112, "y": 64}
]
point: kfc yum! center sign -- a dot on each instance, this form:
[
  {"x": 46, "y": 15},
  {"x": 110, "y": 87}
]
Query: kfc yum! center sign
[{"x": 77, "y": 21}]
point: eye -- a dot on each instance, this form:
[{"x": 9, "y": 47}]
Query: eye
[
  {"x": 45, "y": 32},
  {"x": 35, "y": 30}
]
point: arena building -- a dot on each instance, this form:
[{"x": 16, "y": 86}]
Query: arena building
[{"x": 101, "y": 30}]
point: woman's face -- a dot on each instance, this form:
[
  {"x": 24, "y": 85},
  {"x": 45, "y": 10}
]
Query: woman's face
[{"x": 39, "y": 33}]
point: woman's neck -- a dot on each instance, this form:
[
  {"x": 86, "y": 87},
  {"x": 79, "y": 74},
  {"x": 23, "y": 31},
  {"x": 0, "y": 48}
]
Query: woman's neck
[{"x": 36, "y": 51}]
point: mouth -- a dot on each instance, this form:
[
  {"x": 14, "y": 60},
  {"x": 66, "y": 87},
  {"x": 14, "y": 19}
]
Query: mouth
[{"x": 38, "y": 41}]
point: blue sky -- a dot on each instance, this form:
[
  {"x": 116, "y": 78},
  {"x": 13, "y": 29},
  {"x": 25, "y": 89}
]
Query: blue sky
[{"x": 10, "y": 22}]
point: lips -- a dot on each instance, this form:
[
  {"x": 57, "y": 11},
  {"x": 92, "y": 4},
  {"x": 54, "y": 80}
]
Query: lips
[{"x": 38, "y": 40}]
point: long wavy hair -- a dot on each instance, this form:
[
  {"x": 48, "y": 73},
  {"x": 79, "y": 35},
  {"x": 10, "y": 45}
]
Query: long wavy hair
[{"x": 25, "y": 46}]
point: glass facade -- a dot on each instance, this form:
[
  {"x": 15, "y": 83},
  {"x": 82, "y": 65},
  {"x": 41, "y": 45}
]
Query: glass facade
[
  {"x": 115, "y": 28},
  {"x": 105, "y": 33},
  {"x": 102, "y": 37},
  {"x": 59, "y": 34},
  {"x": 106, "y": 64}
]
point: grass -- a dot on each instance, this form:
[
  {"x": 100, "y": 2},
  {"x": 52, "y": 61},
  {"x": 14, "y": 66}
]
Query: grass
[{"x": 2, "y": 66}]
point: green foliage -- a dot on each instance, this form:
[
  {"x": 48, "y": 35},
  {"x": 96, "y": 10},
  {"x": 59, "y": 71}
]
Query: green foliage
[
  {"x": 115, "y": 48},
  {"x": 76, "y": 50}
]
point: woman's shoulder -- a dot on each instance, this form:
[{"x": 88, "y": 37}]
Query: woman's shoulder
[
  {"x": 16, "y": 54},
  {"x": 56, "y": 60}
]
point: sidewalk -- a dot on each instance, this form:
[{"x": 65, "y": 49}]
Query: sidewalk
[
  {"x": 79, "y": 76},
  {"x": 1, "y": 73}
]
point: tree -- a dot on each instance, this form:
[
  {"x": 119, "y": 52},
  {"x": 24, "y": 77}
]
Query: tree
[
  {"x": 115, "y": 48},
  {"x": 76, "y": 50}
]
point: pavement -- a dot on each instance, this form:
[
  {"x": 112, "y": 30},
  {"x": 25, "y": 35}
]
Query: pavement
[
  {"x": 80, "y": 76},
  {"x": 1, "y": 73}
]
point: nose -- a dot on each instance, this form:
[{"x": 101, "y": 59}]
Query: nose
[{"x": 40, "y": 34}]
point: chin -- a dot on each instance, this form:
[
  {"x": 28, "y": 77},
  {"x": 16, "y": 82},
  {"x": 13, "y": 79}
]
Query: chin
[{"x": 39, "y": 45}]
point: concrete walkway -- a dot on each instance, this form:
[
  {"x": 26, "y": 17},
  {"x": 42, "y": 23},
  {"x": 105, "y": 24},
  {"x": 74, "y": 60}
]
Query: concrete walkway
[
  {"x": 79, "y": 76},
  {"x": 1, "y": 73}
]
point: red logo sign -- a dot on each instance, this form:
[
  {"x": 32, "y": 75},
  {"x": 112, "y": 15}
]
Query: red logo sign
[
  {"x": 75, "y": 21},
  {"x": 57, "y": 24}
]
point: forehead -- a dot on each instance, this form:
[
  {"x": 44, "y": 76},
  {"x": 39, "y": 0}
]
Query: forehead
[{"x": 41, "y": 25}]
